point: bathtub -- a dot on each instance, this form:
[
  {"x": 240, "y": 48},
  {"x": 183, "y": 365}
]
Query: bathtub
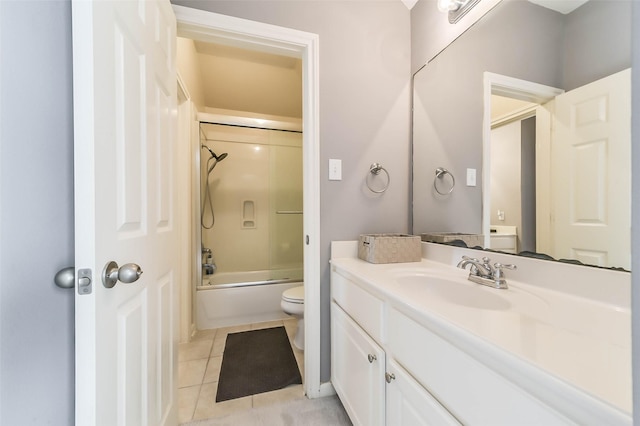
[{"x": 234, "y": 298}]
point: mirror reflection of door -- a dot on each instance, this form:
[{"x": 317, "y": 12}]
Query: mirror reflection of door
[
  {"x": 591, "y": 200},
  {"x": 585, "y": 215}
]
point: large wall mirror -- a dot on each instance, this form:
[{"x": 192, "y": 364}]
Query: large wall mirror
[{"x": 535, "y": 103}]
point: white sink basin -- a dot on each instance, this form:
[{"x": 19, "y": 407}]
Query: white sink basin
[{"x": 456, "y": 292}]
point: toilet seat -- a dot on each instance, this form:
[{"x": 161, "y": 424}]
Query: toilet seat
[{"x": 294, "y": 295}]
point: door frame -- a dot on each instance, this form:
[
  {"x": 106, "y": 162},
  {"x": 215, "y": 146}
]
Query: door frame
[
  {"x": 510, "y": 87},
  {"x": 216, "y": 28}
]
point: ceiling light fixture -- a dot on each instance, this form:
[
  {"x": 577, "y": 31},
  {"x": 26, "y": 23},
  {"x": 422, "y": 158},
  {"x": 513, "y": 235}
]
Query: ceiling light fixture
[{"x": 456, "y": 9}]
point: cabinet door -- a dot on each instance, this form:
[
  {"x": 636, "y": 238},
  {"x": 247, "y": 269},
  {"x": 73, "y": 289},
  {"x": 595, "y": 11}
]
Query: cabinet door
[
  {"x": 357, "y": 370},
  {"x": 408, "y": 403}
]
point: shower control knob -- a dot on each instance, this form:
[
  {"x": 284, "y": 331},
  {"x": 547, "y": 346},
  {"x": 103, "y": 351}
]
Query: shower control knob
[{"x": 127, "y": 274}]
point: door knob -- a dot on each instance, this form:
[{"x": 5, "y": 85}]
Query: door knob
[
  {"x": 66, "y": 278},
  {"x": 127, "y": 273}
]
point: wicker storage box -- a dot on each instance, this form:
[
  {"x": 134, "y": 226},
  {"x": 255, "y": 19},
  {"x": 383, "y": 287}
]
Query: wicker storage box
[{"x": 389, "y": 248}]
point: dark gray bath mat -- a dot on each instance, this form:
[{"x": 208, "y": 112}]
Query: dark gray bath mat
[{"x": 256, "y": 361}]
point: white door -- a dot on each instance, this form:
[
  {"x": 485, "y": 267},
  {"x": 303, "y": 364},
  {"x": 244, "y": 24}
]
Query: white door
[
  {"x": 592, "y": 174},
  {"x": 124, "y": 122}
]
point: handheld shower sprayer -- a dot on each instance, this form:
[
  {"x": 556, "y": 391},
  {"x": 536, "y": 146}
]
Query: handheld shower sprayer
[
  {"x": 207, "y": 201},
  {"x": 213, "y": 154}
]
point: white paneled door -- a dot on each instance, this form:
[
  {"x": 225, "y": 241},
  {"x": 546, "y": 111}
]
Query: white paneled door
[
  {"x": 592, "y": 184},
  {"x": 124, "y": 87}
]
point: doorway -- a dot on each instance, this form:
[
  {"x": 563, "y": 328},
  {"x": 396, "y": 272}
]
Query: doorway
[
  {"x": 214, "y": 28},
  {"x": 530, "y": 96}
]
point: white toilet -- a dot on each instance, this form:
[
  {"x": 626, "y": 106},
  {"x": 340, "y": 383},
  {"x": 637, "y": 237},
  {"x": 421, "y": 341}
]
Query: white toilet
[{"x": 293, "y": 304}]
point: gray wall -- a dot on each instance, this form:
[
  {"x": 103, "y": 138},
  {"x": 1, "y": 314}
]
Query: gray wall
[
  {"x": 431, "y": 31},
  {"x": 36, "y": 228},
  {"x": 590, "y": 55},
  {"x": 528, "y": 186},
  {"x": 364, "y": 113},
  {"x": 448, "y": 105},
  {"x": 448, "y": 92}
]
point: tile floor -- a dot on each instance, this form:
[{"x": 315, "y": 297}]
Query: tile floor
[{"x": 199, "y": 369}]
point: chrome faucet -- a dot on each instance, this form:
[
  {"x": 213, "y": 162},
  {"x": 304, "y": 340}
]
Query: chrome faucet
[
  {"x": 208, "y": 265},
  {"x": 482, "y": 272}
]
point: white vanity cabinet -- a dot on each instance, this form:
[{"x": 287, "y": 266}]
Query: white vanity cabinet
[
  {"x": 408, "y": 403},
  {"x": 357, "y": 370},
  {"x": 472, "y": 392},
  {"x": 447, "y": 353},
  {"x": 374, "y": 389},
  {"x": 388, "y": 369}
]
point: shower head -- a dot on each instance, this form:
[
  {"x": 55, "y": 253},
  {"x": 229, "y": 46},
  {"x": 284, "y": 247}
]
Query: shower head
[
  {"x": 216, "y": 159},
  {"x": 213, "y": 154}
]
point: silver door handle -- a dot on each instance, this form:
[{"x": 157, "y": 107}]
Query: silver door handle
[
  {"x": 66, "y": 278},
  {"x": 127, "y": 273}
]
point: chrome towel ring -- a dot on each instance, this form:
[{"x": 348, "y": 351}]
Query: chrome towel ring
[
  {"x": 440, "y": 173},
  {"x": 375, "y": 170}
]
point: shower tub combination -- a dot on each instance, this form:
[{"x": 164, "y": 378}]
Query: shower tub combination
[
  {"x": 235, "y": 298},
  {"x": 256, "y": 234}
]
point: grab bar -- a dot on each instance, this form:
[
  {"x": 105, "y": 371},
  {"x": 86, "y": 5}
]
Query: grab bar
[{"x": 288, "y": 212}]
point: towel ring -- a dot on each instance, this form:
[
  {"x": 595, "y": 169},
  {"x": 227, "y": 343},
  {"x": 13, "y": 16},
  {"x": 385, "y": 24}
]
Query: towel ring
[
  {"x": 375, "y": 170},
  {"x": 440, "y": 172}
]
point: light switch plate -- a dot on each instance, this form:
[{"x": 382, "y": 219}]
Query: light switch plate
[
  {"x": 471, "y": 177},
  {"x": 335, "y": 169}
]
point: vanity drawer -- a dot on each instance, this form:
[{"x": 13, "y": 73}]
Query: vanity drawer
[
  {"x": 366, "y": 309},
  {"x": 469, "y": 390}
]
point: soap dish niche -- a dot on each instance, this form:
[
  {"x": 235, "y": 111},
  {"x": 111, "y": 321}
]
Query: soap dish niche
[{"x": 248, "y": 210}]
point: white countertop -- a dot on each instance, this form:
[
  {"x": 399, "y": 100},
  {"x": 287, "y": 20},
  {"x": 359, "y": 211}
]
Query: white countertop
[{"x": 552, "y": 343}]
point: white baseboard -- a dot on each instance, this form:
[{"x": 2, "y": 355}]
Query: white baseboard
[{"x": 326, "y": 389}]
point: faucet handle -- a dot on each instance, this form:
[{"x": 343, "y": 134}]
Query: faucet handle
[
  {"x": 499, "y": 265},
  {"x": 499, "y": 273}
]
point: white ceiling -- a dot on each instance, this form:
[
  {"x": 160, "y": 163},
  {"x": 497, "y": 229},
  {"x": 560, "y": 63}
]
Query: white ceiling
[
  {"x": 562, "y": 6},
  {"x": 246, "y": 80}
]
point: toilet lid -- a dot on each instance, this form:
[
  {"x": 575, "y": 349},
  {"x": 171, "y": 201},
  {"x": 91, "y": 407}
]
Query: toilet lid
[{"x": 295, "y": 295}]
